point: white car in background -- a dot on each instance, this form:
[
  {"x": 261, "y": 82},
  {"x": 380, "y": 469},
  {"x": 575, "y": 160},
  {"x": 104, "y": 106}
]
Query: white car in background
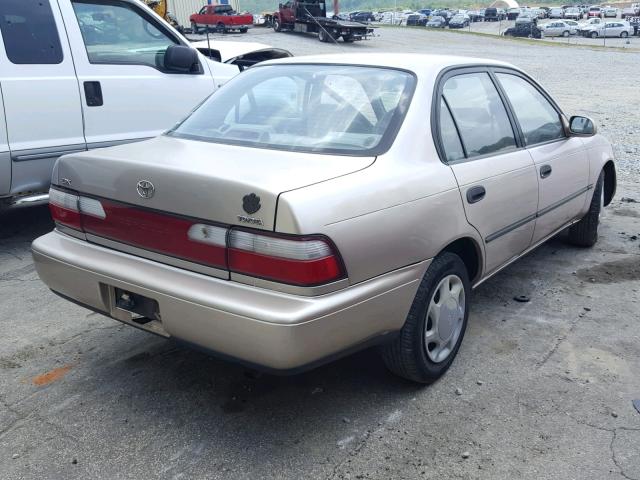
[
  {"x": 610, "y": 29},
  {"x": 610, "y": 12},
  {"x": 555, "y": 13},
  {"x": 559, "y": 28},
  {"x": 573, "y": 13}
]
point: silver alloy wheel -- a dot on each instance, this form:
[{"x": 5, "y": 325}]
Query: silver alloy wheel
[{"x": 445, "y": 318}]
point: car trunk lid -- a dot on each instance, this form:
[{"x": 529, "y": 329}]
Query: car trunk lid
[{"x": 221, "y": 183}]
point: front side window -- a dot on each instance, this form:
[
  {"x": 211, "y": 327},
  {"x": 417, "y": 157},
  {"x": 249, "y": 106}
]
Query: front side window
[
  {"x": 479, "y": 113},
  {"x": 115, "y": 32},
  {"x": 29, "y": 32},
  {"x": 315, "y": 108},
  {"x": 538, "y": 120}
]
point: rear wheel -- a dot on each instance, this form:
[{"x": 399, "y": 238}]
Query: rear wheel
[
  {"x": 624, "y": 35},
  {"x": 585, "y": 232},
  {"x": 594, "y": 35},
  {"x": 347, "y": 38},
  {"x": 565, "y": 33},
  {"x": 435, "y": 326},
  {"x": 324, "y": 36},
  {"x": 194, "y": 27},
  {"x": 244, "y": 30},
  {"x": 220, "y": 28}
]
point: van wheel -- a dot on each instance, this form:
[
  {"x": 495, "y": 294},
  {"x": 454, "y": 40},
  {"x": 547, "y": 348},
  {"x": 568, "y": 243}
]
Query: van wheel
[
  {"x": 585, "y": 232},
  {"x": 435, "y": 326},
  {"x": 194, "y": 27}
]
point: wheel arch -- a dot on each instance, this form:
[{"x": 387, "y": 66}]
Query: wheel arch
[
  {"x": 470, "y": 253},
  {"x": 610, "y": 181}
]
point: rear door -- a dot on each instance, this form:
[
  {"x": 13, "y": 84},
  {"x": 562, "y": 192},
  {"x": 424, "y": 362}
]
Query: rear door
[
  {"x": 561, "y": 162},
  {"x": 127, "y": 95},
  {"x": 497, "y": 179},
  {"x": 40, "y": 92}
]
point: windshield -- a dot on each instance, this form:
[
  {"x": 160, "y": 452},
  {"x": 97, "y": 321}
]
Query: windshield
[{"x": 348, "y": 110}]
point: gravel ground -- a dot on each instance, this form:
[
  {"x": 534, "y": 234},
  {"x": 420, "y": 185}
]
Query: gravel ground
[{"x": 540, "y": 390}]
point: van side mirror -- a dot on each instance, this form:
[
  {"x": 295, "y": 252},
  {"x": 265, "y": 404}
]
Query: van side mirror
[
  {"x": 180, "y": 59},
  {"x": 582, "y": 126}
]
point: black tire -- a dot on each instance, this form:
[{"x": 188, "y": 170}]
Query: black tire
[
  {"x": 277, "y": 26},
  {"x": 585, "y": 232},
  {"x": 324, "y": 36},
  {"x": 594, "y": 35},
  {"x": 624, "y": 35},
  {"x": 565, "y": 34},
  {"x": 406, "y": 356},
  {"x": 244, "y": 30},
  {"x": 220, "y": 28},
  {"x": 194, "y": 28},
  {"x": 347, "y": 38}
]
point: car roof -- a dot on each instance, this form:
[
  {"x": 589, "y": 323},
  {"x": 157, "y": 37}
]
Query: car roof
[{"x": 414, "y": 62}]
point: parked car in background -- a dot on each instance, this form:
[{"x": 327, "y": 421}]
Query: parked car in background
[
  {"x": 437, "y": 22},
  {"x": 493, "y": 14},
  {"x": 573, "y": 13},
  {"x": 424, "y": 11},
  {"x": 459, "y": 21},
  {"x": 556, "y": 13},
  {"x": 558, "y": 28},
  {"x": 609, "y": 29},
  {"x": 476, "y": 15},
  {"x": 363, "y": 17},
  {"x": 525, "y": 30},
  {"x": 595, "y": 12},
  {"x": 583, "y": 26},
  {"x": 416, "y": 20},
  {"x": 273, "y": 237},
  {"x": 88, "y": 74},
  {"x": 221, "y": 18},
  {"x": 628, "y": 12},
  {"x": 513, "y": 13},
  {"x": 610, "y": 12},
  {"x": 527, "y": 17}
]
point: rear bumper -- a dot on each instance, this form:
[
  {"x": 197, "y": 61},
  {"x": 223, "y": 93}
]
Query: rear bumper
[{"x": 270, "y": 329}]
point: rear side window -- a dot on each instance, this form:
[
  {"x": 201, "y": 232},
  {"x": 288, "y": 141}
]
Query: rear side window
[
  {"x": 450, "y": 139},
  {"x": 479, "y": 114},
  {"x": 538, "y": 120},
  {"x": 29, "y": 32}
]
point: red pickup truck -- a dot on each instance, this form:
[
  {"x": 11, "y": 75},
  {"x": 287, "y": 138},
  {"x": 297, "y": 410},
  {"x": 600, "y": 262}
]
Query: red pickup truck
[{"x": 221, "y": 18}]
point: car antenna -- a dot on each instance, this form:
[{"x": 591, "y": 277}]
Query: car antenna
[
  {"x": 318, "y": 23},
  {"x": 209, "y": 44}
]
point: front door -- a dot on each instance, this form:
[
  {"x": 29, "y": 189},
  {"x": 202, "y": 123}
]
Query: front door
[
  {"x": 497, "y": 179},
  {"x": 40, "y": 92},
  {"x": 126, "y": 93},
  {"x": 561, "y": 162}
]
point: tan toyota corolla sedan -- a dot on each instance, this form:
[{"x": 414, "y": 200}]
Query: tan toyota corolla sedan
[{"x": 317, "y": 205}]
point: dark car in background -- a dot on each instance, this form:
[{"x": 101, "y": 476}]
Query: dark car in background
[
  {"x": 492, "y": 14},
  {"x": 459, "y": 21},
  {"x": 417, "y": 20},
  {"x": 363, "y": 17},
  {"x": 526, "y": 30},
  {"x": 513, "y": 13},
  {"x": 437, "y": 22}
]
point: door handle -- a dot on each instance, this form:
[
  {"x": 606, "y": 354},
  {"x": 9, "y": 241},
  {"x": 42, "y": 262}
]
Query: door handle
[
  {"x": 93, "y": 94},
  {"x": 475, "y": 194},
  {"x": 545, "y": 171}
]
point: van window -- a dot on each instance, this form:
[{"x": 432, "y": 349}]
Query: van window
[
  {"x": 116, "y": 32},
  {"x": 29, "y": 32}
]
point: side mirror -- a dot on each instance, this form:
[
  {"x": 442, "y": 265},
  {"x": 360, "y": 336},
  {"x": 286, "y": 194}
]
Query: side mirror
[
  {"x": 180, "y": 59},
  {"x": 582, "y": 126}
]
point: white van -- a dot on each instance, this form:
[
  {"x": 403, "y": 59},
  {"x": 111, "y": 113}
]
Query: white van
[{"x": 83, "y": 74}]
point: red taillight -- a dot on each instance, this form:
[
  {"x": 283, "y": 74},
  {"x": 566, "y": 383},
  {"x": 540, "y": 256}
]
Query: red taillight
[
  {"x": 304, "y": 261},
  {"x": 296, "y": 260},
  {"x": 162, "y": 233}
]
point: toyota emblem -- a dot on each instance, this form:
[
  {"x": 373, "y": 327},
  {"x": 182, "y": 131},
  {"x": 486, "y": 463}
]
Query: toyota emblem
[{"x": 145, "y": 189}]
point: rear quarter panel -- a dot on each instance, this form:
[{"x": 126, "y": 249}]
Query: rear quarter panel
[
  {"x": 401, "y": 210},
  {"x": 599, "y": 152}
]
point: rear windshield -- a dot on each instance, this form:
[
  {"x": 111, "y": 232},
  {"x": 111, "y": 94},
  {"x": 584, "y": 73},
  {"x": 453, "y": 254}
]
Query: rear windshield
[{"x": 338, "y": 109}]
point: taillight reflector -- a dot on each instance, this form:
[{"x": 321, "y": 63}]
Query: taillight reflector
[{"x": 304, "y": 261}]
